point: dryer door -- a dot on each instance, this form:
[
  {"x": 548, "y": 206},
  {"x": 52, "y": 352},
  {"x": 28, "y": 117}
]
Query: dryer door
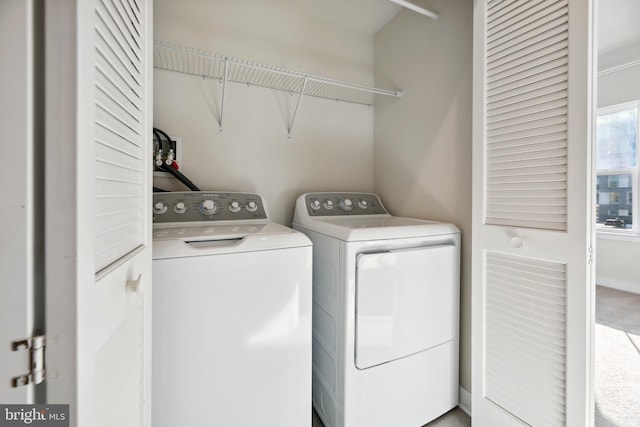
[{"x": 405, "y": 302}]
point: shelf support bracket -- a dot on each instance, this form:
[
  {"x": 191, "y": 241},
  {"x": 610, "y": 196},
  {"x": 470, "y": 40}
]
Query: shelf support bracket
[
  {"x": 224, "y": 88},
  {"x": 293, "y": 119}
]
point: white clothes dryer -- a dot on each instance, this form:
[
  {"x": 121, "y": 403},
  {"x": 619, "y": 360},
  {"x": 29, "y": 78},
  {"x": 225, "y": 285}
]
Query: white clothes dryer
[
  {"x": 231, "y": 314},
  {"x": 385, "y": 312}
]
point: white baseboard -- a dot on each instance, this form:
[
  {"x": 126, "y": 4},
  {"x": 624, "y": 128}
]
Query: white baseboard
[
  {"x": 620, "y": 285},
  {"x": 464, "y": 403}
]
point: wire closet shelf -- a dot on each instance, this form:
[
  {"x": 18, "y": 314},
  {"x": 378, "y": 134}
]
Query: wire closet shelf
[{"x": 187, "y": 60}]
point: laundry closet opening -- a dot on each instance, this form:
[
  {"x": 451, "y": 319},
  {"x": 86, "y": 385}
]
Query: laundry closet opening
[{"x": 414, "y": 151}]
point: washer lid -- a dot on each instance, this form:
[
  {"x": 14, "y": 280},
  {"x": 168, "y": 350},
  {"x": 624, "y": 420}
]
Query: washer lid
[
  {"x": 225, "y": 238},
  {"x": 359, "y": 228}
]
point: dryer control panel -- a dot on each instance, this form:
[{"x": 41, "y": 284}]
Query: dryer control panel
[
  {"x": 340, "y": 204},
  {"x": 199, "y": 206}
]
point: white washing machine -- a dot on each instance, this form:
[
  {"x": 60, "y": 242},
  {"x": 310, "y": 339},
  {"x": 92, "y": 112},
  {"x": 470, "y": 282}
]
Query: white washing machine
[
  {"x": 231, "y": 314},
  {"x": 385, "y": 312}
]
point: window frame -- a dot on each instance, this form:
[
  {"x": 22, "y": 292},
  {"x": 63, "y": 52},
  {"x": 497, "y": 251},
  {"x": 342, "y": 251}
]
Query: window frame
[{"x": 634, "y": 232}]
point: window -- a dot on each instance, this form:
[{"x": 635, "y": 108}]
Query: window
[
  {"x": 614, "y": 198},
  {"x": 617, "y": 160}
]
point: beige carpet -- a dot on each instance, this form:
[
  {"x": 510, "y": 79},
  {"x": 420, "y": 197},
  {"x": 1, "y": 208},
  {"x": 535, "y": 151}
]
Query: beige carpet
[{"x": 617, "y": 364}]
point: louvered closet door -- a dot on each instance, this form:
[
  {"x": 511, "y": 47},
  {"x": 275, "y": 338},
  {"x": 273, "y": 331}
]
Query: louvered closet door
[
  {"x": 119, "y": 143},
  {"x": 532, "y": 289},
  {"x": 98, "y": 256}
]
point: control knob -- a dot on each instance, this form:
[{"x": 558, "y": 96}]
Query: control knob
[
  {"x": 159, "y": 208},
  {"x": 180, "y": 208},
  {"x": 363, "y": 204},
  {"x": 315, "y": 205},
  {"x": 252, "y": 206},
  {"x": 208, "y": 207},
  {"x": 328, "y": 204},
  {"x": 346, "y": 204},
  {"x": 234, "y": 207}
]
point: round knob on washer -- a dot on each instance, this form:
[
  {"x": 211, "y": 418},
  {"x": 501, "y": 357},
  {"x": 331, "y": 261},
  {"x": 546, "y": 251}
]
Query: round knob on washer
[
  {"x": 252, "y": 206},
  {"x": 363, "y": 204},
  {"x": 180, "y": 208},
  {"x": 346, "y": 204},
  {"x": 208, "y": 207},
  {"x": 328, "y": 204},
  {"x": 159, "y": 208},
  {"x": 315, "y": 205},
  {"x": 234, "y": 206}
]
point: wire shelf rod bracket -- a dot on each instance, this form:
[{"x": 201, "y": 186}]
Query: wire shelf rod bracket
[
  {"x": 224, "y": 89},
  {"x": 295, "y": 112}
]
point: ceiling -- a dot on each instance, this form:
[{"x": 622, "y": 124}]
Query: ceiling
[
  {"x": 618, "y": 23},
  {"x": 618, "y": 20},
  {"x": 367, "y": 16}
]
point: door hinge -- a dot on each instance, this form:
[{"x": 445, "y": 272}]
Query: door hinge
[
  {"x": 590, "y": 255},
  {"x": 35, "y": 346}
]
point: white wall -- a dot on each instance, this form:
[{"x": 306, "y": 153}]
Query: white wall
[
  {"x": 617, "y": 264},
  {"x": 332, "y": 143},
  {"x": 619, "y": 87},
  {"x": 422, "y": 161},
  {"x": 616, "y": 260}
]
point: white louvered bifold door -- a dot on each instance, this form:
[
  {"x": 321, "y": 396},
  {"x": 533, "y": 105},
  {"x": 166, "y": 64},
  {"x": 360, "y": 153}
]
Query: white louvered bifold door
[
  {"x": 532, "y": 290},
  {"x": 98, "y": 210},
  {"x": 119, "y": 139},
  {"x": 526, "y": 102}
]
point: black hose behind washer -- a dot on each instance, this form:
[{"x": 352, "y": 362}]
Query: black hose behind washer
[
  {"x": 180, "y": 177},
  {"x": 172, "y": 143}
]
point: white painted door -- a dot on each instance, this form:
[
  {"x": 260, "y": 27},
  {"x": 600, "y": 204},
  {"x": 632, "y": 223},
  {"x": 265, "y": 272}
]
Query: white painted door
[
  {"x": 532, "y": 222},
  {"x": 98, "y": 223},
  {"x": 20, "y": 256}
]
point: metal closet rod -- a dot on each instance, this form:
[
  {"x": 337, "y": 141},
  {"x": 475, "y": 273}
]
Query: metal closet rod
[{"x": 416, "y": 8}]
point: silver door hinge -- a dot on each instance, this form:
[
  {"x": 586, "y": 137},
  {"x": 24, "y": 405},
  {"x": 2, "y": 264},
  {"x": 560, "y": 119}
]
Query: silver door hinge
[
  {"x": 590, "y": 255},
  {"x": 35, "y": 346}
]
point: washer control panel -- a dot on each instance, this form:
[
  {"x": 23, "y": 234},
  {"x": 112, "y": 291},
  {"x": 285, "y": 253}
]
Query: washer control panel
[
  {"x": 339, "y": 204},
  {"x": 194, "y": 206}
]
